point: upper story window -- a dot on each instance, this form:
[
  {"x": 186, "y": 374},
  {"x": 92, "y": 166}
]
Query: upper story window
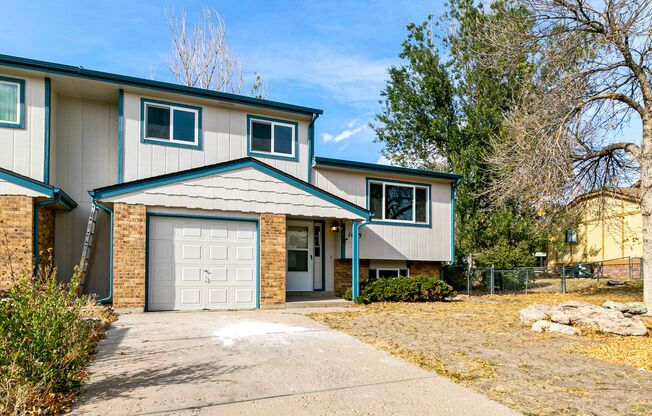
[
  {"x": 170, "y": 124},
  {"x": 12, "y": 102},
  {"x": 268, "y": 137},
  {"x": 399, "y": 202}
]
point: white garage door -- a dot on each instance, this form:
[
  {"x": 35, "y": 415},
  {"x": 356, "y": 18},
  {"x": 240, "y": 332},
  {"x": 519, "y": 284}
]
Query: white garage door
[{"x": 201, "y": 264}]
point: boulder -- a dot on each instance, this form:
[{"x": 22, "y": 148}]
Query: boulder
[
  {"x": 620, "y": 307},
  {"x": 547, "y": 326},
  {"x": 533, "y": 313},
  {"x": 636, "y": 308},
  {"x": 605, "y": 320},
  {"x": 559, "y": 316}
]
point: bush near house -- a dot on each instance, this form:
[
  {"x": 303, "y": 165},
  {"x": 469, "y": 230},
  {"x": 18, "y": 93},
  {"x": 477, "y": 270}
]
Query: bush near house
[
  {"x": 405, "y": 289},
  {"x": 47, "y": 336}
]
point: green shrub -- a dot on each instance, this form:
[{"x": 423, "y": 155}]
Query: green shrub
[
  {"x": 348, "y": 294},
  {"x": 46, "y": 340},
  {"x": 405, "y": 289}
]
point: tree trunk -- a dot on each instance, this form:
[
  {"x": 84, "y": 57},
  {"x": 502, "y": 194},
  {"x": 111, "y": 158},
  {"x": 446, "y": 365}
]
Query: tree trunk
[{"x": 646, "y": 210}]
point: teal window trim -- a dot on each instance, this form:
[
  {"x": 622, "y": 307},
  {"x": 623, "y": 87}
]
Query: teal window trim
[
  {"x": 169, "y": 178},
  {"x": 453, "y": 189},
  {"x": 398, "y": 223},
  {"x": 46, "y": 135},
  {"x": 80, "y": 72},
  {"x": 343, "y": 241},
  {"x": 148, "y": 215},
  {"x": 195, "y": 146},
  {"x": 21, "y": 104},
  {"x": 271, "y": 155},
  {"x": 121, "y": 133}
]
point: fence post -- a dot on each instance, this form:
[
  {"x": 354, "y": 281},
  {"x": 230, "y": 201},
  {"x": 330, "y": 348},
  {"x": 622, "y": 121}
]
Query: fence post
[
  {"x": 491, "y": 280},
  {"x": 562, "y": 281},
  {"x": 640, "y": 268},
  {"x": 527, "y": 277},
  {"x": 468, "y": 281},
  {"x": 629, "y": 263}
]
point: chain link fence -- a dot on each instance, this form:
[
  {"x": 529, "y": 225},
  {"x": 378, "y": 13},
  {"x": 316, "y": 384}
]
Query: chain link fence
[{"x": 562, "y": 279}]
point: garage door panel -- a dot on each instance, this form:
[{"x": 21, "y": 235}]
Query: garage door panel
[{"x": 202, "y": 264}]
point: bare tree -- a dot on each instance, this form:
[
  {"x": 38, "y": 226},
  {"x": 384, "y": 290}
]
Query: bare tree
[
  {"x": 201, "y": 57},
  {"x": 591, "y": 65}
]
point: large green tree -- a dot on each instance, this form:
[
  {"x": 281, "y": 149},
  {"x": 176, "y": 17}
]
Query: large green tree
[{"x": 441, "y": 110}]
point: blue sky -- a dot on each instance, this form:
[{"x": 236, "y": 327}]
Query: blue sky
[{"x": 331, "y": 55}]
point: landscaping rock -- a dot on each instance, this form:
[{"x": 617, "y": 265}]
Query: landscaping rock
[
  {"x": 621, "y": 307},
  {"x": 547, "y": 326},
  {"x": 559, "y": 317},
  {"x": 636, "y": 308},
  {"x": 606, "y": 320},
  {"x": 533, "y": 313}
]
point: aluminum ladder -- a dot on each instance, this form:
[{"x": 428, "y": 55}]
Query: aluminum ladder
[{"x": 88, "y": 245}]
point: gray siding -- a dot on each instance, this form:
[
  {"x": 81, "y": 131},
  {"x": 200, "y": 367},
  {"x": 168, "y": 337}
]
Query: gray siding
[
  {"x": 22, "y": 150},
  {"x": 394, "y": 242},
  {"x": 224, "y": 136},
  {"x": 84, "y": 158}
]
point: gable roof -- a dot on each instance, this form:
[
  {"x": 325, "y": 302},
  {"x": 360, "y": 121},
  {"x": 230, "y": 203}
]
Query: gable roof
[
  {"x": 142, "y": 184},
  {"x": 41, "y": 187},
  {"x": 375, "y": 167},
  {"x": 631, "y": 194},
  {"x": 81, "y": 72}
]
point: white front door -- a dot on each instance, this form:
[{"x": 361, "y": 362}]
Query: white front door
[
  {"x": 300, "y": 236},
  {"x": 197, "y": 263}
]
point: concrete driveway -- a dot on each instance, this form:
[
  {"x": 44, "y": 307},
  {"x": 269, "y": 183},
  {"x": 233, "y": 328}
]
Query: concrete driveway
[{"x": 259, "y": 363}]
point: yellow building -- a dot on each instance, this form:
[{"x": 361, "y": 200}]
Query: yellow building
[{"x": 608, "y": 231}]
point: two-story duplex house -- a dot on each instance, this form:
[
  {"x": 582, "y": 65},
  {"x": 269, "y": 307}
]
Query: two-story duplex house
[{"x": 206, "y": 200}]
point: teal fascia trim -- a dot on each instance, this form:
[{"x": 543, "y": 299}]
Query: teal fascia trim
[
  {"x": 21, "y": 99},
  {"x": 343, "y": 241},
  {"x": 255, "y": 153},
  {"x": 453, "y": 187},
  {"x": 46, "y": 136},
  {"x": 198, "y": 146},
  {"x": 109, "y": 297},
  {"x": 204, "y": 217},
  {"x": 374, "y": 167},
  {"x": 80, "y": 72},
  {"x": 141, "y": 184},
  {"x": 121, "y": 133},
  {"x": 38, "y": 186},
  {"x": 396, "y": 223},
  {"x": 311, "y": 146}
]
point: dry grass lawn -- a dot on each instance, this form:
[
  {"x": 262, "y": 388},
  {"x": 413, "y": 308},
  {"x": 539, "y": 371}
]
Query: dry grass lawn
[{"x": 481, "y": 343}]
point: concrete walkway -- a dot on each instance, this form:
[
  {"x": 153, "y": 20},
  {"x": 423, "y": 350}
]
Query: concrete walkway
[{"x": 259, "y": 363}]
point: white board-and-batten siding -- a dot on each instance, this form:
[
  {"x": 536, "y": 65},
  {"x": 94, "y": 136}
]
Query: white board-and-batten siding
[
  {"x": 224, "y": 138},
  {"x": 22, "y": 150},
  {"x": 243, "y": 190},
  {"x": 394, "y": 242}
]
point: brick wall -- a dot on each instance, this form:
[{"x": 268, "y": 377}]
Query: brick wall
[
  {"x": 16, "y": 236},
  {"x": 424, "y": 268},
  {"x": 129, "y": 255},
  {"x": 621, "y": 271},
  {"x": 343, "y": 274},
  {"x": 45, "y": 235},
  {"x": 272, "y": 259}
]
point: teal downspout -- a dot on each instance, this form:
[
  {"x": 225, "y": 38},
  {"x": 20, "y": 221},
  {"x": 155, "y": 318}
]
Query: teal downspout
[
  {"x": 311, "y": 145},
  {"x": 453, "y": 187},
  {"x": 109, "y": 211},
  {"x": 121, "y": 123},
  {"x": 46, "y": 134},
  {"x": 355, "y": 255}
]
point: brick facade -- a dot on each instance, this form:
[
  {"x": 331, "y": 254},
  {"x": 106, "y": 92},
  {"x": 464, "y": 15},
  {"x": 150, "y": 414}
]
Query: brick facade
[
  {"x": 45, "y": 235},
  {"x": 129, "y": 223},
  {"x": 16, "y": 236},
  {"x": 272, "y": 259},
  {"x": 343, "y": 274},
  {"x": 424, "y": 268}
]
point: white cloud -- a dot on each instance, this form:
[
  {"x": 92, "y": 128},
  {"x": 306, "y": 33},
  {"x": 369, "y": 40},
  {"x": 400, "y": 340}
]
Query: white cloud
[
  {"x": 382, "y": 160},
  {"x": 325, "y": 137},
  {"x": 345, "y": 134}
]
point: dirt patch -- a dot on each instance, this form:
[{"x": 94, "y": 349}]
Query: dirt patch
[{"x": 481, "y": 344}]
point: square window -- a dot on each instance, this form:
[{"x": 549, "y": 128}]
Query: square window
[
  {"x": 184, "y": 126},
  {"x": 12, "y": 106},
  {"x": 421, "y": 203},
  {"x": 158, "y": 122},
  {"x": 282, "y": 139},
  {"x": 261, "y": 137},
  {"x": 398, "y": 202}
]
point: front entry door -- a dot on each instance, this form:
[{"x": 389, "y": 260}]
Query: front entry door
[{"x": 300, "y": 236}]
